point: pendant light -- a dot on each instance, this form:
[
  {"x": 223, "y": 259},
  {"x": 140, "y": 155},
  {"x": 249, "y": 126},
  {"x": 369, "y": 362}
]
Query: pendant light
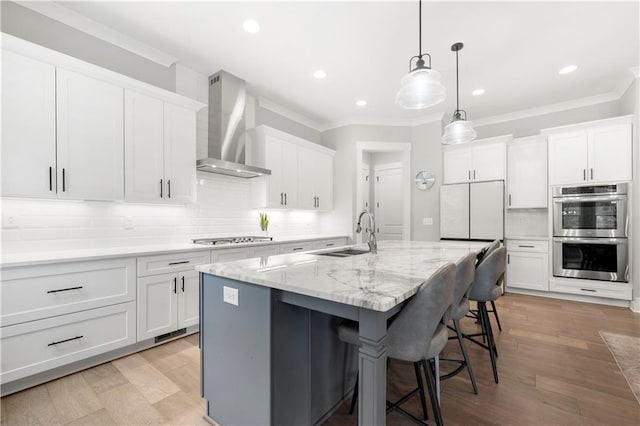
[
  {"x": 421, "y": 87},
  {"x": 460, "y": 130}
]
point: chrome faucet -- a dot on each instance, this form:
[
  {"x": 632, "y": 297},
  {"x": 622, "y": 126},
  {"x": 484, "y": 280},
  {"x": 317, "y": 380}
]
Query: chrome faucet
[{"x": 373, "y": 244}]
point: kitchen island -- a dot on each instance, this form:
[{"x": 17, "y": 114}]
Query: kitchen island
[{"x": 259, "y": 361}]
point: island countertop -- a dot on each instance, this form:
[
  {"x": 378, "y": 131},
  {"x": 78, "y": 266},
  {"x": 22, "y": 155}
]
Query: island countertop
[{"x": 374, "y": 281}]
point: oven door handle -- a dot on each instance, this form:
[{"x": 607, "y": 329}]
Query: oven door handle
[
  {"x": 590, "y": 199},
  {"x": 596, "y": 240}
]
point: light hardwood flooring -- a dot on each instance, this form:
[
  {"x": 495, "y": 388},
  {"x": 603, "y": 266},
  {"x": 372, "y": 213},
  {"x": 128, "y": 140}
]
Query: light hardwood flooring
[{"x": 554, "y": 370}]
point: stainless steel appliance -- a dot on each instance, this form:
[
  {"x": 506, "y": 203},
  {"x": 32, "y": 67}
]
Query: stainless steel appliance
[
  {"x": 603, "y": 259},
  {"x": 590, "y": 229},
  {"x": 591, "y": 211},
  {"x": 230, "y": 240}
]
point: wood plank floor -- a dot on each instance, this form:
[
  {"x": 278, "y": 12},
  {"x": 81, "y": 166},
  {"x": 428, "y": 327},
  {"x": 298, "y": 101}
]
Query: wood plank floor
[{"x": 554, "y": 370}]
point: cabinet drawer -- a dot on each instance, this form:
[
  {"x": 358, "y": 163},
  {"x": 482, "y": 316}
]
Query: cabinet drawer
[
  {"x": 167, "y": 263},
  {"x": 30, "y": 293},
  {"x": 227, "y": 255},
  {"x": 262, "y": 251},
  {"x": 594, "y": 288},
  {"x": 333, "y": 242},
  {"x": 41, "y": 345},
  {"x": 296, "y": 247},
  {"x": 528, "y": 245}
]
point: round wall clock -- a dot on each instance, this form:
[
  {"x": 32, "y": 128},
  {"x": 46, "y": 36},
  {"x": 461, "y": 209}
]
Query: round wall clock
[{"x": 425, "y": 180}]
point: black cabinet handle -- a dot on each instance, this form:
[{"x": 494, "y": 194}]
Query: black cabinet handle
[
  {"x": 318, "y": 202},
  {"x": 183, "y": 283},
  {"x": 175, "y": 285},
  {"x": 161, "y": 187},
  {"x": 584, "y": 174},
  {"x": 509, "y": 199},
  {"x": 474, "y": 174},
  {"x": 508, "y": 259},
  {"x": 285, "y": 198},
  {"x": 588, "y": 289},
  {"x": 169, "y": 188},
  {"x": 65, "y": 340},
  {"x": 282, "y": 198},
  {"x": 592, "y": 173},
  {"x": 469, "y": 174},
  {"x": 297, "y": 248},
  {"x": 179, "y": 263},
  {"x": 64, "y": 188},
  {"x": 50, "y": 178},
  {"x": 65, "y": 289},
  {"x": 329, "y": 244},
  {"x": 523, "y": 246}
]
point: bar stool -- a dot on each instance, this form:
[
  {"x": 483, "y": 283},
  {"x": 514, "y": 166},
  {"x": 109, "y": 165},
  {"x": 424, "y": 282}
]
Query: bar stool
[
  {"x": 486, "y": 288},
  {"x": 465, "y": 274},
  {"x": 481, "y": 254},
  {"x": 416, "y": 334}
]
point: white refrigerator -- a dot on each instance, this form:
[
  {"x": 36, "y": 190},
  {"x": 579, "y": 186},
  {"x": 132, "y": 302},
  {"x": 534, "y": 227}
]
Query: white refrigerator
[{"x": 472, "y": 211}]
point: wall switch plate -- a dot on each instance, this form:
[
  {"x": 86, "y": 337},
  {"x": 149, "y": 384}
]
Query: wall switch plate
[
  {"x": 128, "y": 222},
  {"x": 427, "y": 221},
  {"x": 9, "y": 222},
  {"x": 230, "y": 295}
]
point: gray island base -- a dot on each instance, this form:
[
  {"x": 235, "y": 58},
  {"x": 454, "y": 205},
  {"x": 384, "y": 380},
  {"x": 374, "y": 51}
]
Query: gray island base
[{"x": 270, "y": 352}]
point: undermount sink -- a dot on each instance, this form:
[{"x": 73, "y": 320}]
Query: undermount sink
[{"x": 344, "y": 253}]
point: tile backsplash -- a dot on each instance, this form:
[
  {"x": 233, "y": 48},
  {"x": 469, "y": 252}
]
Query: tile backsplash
[{"x": 223, "y": 208}]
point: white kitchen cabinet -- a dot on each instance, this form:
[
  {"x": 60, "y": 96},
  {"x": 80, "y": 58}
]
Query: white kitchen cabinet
[
  {"x": 157, "y": 305},
  {"x": 160, "y": 145},
  {"x": 227, "y": 255},
  {"x": 281, "y": 157},
  {"x": 28, "y": 127},
  {"x": 527, "y": 173},
  {"x": 189, "y": 299},
  {"x": 477, "y": 161},
  {"x": 597, "y": 152},
  {"x": 297, "y": 247},
  {"x": 323, "y": 177},
  {"x": 90, "y": 138},
  {"x": 527, "y": 265},
  {"x": 315, "y": 179}
]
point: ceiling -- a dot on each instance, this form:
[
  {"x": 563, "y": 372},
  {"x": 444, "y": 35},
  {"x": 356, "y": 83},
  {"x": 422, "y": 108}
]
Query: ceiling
[{"x": 511, "y": 49}]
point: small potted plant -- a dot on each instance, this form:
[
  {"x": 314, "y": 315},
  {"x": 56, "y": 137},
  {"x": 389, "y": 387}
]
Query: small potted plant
[{"x": 264, "y": 222}]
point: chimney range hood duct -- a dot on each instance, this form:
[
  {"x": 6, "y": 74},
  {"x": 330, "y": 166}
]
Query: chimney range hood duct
[{"x": 227, "y": 133}]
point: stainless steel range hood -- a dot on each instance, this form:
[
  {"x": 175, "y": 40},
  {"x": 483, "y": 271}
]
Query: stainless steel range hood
[{"x": 227, "y": 133}]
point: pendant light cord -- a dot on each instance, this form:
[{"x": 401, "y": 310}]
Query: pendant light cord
[
  {"x": 457, "y": 85},
  {"x": 420, "y": 29}
]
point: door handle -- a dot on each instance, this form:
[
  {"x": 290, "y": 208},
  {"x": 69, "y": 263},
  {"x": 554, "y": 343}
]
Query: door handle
[
  {"x": 50, "y": 178},
  {"x": 318, "y": 202},
  {"x": 282, "y": 198},
  {"x": 592, "y": 173},
  {"x": 285, "y": 198},
  {"x": 64, "y": 187},
  {"x": 179, "y": 263},
  {"x": 584, "y": 174},
  {"x": 474, "y": 174},
  {"x": 183, "y": 283},
  {"x": 161, "y": 187},
  {"x": 175, "y": 285},
  {"x": 169, "y": 188},
  {"x": 469, "y": 174},
  {"x": 509, "y": 199},
  {"x": 65, "y": 289},
  {"x": 523, "y": 246},
  {"x": 508, "y": 259},
  {"x": 65, "y": 340}
]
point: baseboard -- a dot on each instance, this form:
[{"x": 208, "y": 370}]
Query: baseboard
[
  {"x": 635, "y": 305},
  {"x": 571, "y": 297}
]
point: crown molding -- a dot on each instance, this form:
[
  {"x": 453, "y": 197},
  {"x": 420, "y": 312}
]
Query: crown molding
[
  {"x": 288, "y": 113},
  {"x": 400, "y": 122},
  {"x": 82, "y": 23}
]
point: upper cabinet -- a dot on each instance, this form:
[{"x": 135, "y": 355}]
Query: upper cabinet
[
  {"x": 527, "y": 173},
  {"x": 160, "y": 150},
  {"x": 593, "y": 152},
  {"x": 301, "y": 172},
  {"x": 477, "y": 161}
]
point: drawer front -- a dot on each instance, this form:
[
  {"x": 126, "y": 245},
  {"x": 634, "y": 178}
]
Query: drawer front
[
  {"x": 333, "y": 242},
  {"x": 263, "y": 251},
  {"x": 168, "y": 263},
  {"x": 296, "y": 247},
  {"x": 528, "y": 245},
  {"x": 41, "y": 345},
  {"x": 621, "y": 291},
  {"x": 44, "y": 291},
  {"x": 528, "y": 270},
  {"x": 227, "y": 255}
]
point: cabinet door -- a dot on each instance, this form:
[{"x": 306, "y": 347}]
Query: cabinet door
[
  {"x": 324, "y": 181},
  {"x": 568, "y": 158},
  {"x": 188, "y": 298},
  {"x": 526, "y": 174},
  {"x": 179, "y": 154},
  {"x": 488, "y": 162},
  {"x": 290, "y": 174},
  {"x": 157, "y": 305},
  {"x": 307, "y": 178},
  {"x": 457, "y": 165},
  {"x": 28, "y": 127},
  {"x": 528, "y": 270},
  {"x": 143, "y": 147},
  {"x": 273, "y": 162},
  {"x": 486, "y": 211},
  {"x": 610, "y": 153},
  {"x": 90, "y": 138}
]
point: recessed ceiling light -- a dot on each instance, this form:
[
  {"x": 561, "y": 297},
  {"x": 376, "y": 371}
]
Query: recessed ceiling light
[
  {"x": 320, "y": 74},
  {"x": 361, "y": 102},
  {"x": 567, "y": 69},
  {"x": 251, "y": 26},
  {"x": 478, "y": 92}
]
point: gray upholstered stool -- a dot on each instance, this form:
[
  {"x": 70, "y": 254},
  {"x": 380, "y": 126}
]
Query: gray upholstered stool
[
  {"x": 484, "y": 252},
  {"x": 465, "y": 274},
  {"x": 417, "y": 334},
  {"x": 486, "y": 288}
]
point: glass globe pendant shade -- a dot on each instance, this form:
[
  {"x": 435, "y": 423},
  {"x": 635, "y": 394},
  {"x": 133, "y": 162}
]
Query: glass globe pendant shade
[
  {"x": 458, "y": 131},
  {"x": 421, "y": 88}
]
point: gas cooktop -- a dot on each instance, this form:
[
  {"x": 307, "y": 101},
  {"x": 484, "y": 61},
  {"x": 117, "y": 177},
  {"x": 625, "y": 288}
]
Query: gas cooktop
[{"x": 230, "y": 240}]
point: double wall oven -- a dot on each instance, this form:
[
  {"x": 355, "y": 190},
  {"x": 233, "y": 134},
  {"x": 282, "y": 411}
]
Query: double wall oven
[{"x": 591, "y": 229}]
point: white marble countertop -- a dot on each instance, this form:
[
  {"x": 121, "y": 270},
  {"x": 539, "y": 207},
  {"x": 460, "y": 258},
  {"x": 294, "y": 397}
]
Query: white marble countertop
[
  {"x": 10, "y": 260},
  {"x": 378, "y": 282}
]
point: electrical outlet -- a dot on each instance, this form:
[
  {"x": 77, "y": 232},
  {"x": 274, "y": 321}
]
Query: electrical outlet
[
  {"x": 128, "y": 222},
  {"x": 427, "y": 221},
  {"x": 9, "y": 222},
  {"x": 230, "y": 295}
]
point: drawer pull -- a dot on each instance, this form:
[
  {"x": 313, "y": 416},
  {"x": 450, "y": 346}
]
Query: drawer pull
[
  {"x": 65, "y": 289},
  {"x": 522, "y": 246},
  {"x": 588, "y": 289},
  {"x": 65, "y": 340},
  {"x": 175, "y": 285},
  {"x": 183, "y": 283},
  {"x": 179, "y": 263},
  {"x": 297, "y": 248},
  {"x": 330, "y": 244}
]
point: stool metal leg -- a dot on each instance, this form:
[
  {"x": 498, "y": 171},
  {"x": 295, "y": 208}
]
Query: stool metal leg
[
  {"x": 354, "y": 398},
  {"x": 432, "y": 392},
  {"x": 495, "y": 314},
  {"x": 423, "y": 399},
  {"x": 463, "y": 347},
  {"x": 490, "y": 340}
]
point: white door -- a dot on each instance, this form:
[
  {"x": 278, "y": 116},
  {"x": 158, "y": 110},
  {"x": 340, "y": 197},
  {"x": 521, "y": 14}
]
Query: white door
[
  {"x": 307, "y": 179},
  {"x": 457, "y": 164},
  {"x": 179, "y": 154},
  {"x": 324, "y": 181},
  {"x": 143, "y": 148},
  {"x": 528, "y": 270},
  {"x": 28, "y": 127},
  {"x": 488, "y": 162},
  {"x": 290, "y": 174},
  {"x": 273, "y": 162},
  {"x": 90, "y": 128},
  {"x": 388, "y": 199},
  {"x": 526, "y": 174},
  {"x": 486, "y": 210},
  {"x": 188, "y": 298},
  {"x": 610, "y": 153},
  {"x": 568, "y": 158},
  {"x": 454, "y": 211},
  {"x": 157, "y": 305}
]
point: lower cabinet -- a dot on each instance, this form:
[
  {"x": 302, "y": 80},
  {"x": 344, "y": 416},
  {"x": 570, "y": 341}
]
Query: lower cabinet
[
  {"x": 166, "y": 303},
  {"x": 527, "y": 265}
]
